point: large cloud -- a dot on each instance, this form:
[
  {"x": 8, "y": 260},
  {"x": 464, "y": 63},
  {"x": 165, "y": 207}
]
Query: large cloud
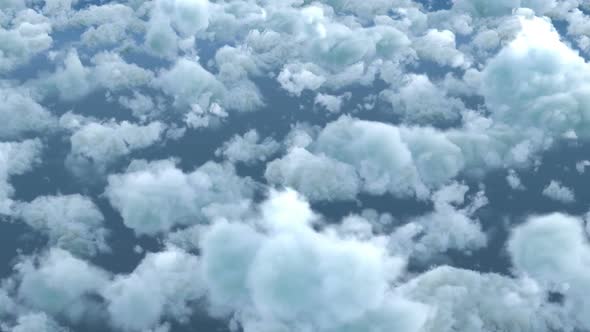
[
  {"x": 538, "y": 81},
  {"x": 291, "y": 277},
  {"x": 403, "y": 161},
  {"x": 553, "y": 249}
]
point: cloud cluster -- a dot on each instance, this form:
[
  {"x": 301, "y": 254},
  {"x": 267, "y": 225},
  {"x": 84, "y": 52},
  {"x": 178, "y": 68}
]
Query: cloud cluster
[
  {"x": 153, "y": 197},
  {"x": 294, "y": 165}
]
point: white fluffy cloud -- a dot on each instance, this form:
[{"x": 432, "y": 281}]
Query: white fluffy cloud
[
  {"x": 248, "y": 148},
  {"x": 37, "y": 322},
  {"x": 21, "y": 115},
  {"x": 169, "y": 19},
  {"x": 556, "y": 191},
  {"x": 28, "y": 35},
  {"x": 59, "y": 283},
  {"x": 446, "y": 228},
  {"x": 439, "y": 46},
  {"x": 316, "y": 176},
  {"x": 163, "y": 284},
  {"x": 15, "y": 158},
  {"x": 291, "y": 277},
  {"x": 553, "y": 249},
  {"x": 420, "y": 101},
  {"x": 188, "y": 83},
  {"x": 398, "y": 160},
  {"x": 71, "y": 222},
  {"x": 469, "y": 301},
  {"x": 556, "y": 100},
  {"x": 96, "y": 146},
  {"x": 154, "y": 197}
]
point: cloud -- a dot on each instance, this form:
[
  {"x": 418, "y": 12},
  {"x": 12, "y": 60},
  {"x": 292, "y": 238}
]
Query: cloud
[
  {"x": 295, "y": 78},
  {"x": 398, "y": 160},
  {"x": 155, "y": 197},
  {"x": 555, "y": 100},
  {"x": 37, "y": 322},
  {"x": 439, "y": 46},
  {"x": 172, "y": 279},
  {"x": 96, "y": 146},
  {"x": 553, "y": 249},
  {"x": 15, "y": 158},
  {"x": 316, "y": 176},
  {"x": 331, "y": 103},
  {"x": 20, "y": 115},
  {"x": 28, "y": 35},
  {"x": 71, "y": 222},
  {"x": 470, "y": 301},
  {"x": 248, "y": 148},
  {"x": 446, "y": 228},
  {"x": 556, "y": 191},
  {"x": 291, "y": 277},
  {"x": 188, "y": 83},
  {"x": 514, "y": 181},
  {"x": 419, "y": 101},
  {"x": 61, "y": 284}
]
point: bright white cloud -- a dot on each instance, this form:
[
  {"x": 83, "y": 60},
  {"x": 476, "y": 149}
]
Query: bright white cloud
[{"x": 292, "y": 277}]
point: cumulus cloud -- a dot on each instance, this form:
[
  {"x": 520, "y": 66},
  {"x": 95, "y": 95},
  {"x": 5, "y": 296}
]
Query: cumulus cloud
[
  {"x": 71, "y": 222},
  {"x": 420, "y": 101},
  {"x": 21, "y": 115},
  {"x": 248, "y": 148},
  {"x": 61, "y": 284},
  {"x": 331, "y": 103},
  {"x": 34, "y": 322},
  {"x": 295, "y": 78},
  {"x": 387, "y": 158},
  {"x": 556, "y": 191},
  {"x": 554, "y": 101},
  {"x": 16, "y": 158},
  {"x": 553, "y": 249},
  {"x": 439, "y": 46},
  {"x": 168, "y": 20},
  {"x": 154, "y": 197},
  {"x": 173, "y": 282},
  {"x": 188, "y": 83},
  {"x": 318, "y": 177},
  {"x": 96, "y": 146},
  {"x": 467, "y": 301},
  {"x": 436, "y": 98},
  {"x": 28, "y": 35},
  {"x": 291, "y": 277},
  {"x": 446, "y": 228},
  {"x": 514, "y": 180}
]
